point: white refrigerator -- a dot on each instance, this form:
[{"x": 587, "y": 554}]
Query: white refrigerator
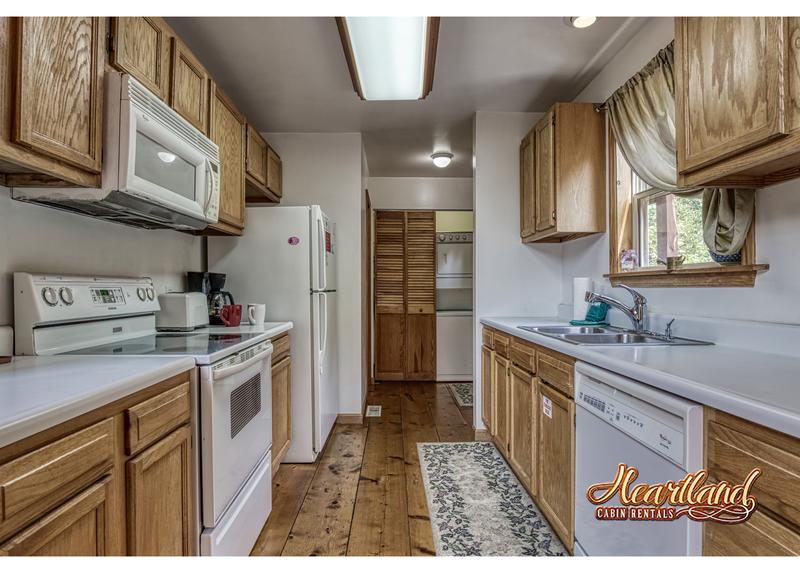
[{"x": 286, "y": 259}]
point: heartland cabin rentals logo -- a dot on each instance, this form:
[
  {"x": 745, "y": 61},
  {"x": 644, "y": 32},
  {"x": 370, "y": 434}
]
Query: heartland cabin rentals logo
[{"x": 691, "y": 496}]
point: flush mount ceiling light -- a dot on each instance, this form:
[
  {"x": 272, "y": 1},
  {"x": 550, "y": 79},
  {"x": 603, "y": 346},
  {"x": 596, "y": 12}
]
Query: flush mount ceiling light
[
  {"x": 582, "y": 21},
  {"x": 390, "y": 58},
  {"x": 166, "y": 157},
  {"x": 442, "y": 158}
]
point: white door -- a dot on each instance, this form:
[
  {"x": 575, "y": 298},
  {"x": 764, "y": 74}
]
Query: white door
[{"x": 326, "y": 366}]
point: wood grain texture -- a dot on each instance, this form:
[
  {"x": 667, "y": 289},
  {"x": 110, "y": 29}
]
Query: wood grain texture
[
  {"x": 77, "y": 528},
  {"x": 420, "y": 262},
  {"x": 390, "y": 253},
  {"x": 487, "y": 337},
  {"x": 154, "y": 418},
  {"x": 390, "y": 344},
  {"x": 557, "y": 370},
  {"x": 700, "y": 277},
  {"x": 59, "y": 89},
  {"x": 527, "y": 185},
  {"x": 500, "y": 388},
  {"x": 545, "y": 169},
  {"x": 620, "y": 213},
  {"x": 281, "y": 410},
  {"x": 140, "y": 47},
  {"x": 487, "y": 396},
  {"x": 502, "y": 343},
  {"x": 256, "y": 162},
  {"x": 556, "y": 463},
  {"x": 522, "y": 424},
  {"x": 161, "y": 498},
  {"x": 420, "y": 347},
  {"x": 274, "y": 173},
  {"x": 523, "y": 355},
  {"x": 758, "y": 536},
  {"x": 189, "y": 86}
]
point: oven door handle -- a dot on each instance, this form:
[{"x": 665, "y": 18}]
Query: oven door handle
[{"x": 221, "y": 373}]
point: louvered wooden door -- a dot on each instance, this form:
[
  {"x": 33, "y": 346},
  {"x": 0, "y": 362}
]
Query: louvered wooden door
[
  {"x": 390, "y": 302},
  {"x": 420, "y": 295},
  {"x": 405, "y": 295}
]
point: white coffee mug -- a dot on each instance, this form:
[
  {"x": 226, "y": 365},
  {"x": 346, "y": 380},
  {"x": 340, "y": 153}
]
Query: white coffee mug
[{"x": 256, "y": 313}]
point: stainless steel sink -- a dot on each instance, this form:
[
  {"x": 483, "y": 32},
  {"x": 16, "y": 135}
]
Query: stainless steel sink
[{"x": 595, "y": 335}]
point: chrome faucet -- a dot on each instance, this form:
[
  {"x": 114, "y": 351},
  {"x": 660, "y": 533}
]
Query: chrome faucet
[{"x": 636, "y": 313}]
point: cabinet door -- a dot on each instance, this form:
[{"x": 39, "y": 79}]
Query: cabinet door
[
  {"x": 140, "y": 47},
  {"x": 228, "y": 132},
  {"x": 78, "y": 528},
  {"x": 527, "y": 190},
  {"x": 390, "y": 306},
  {"x": 556, "y": 461},
  {"x": 730, "y": 86},
  {"x": 421, "y": 295},
  {"x": 502, "y": 367},
  {"x": 281, "y": 410},
  {"x": 160, "y": 498},
  {"x": 256, "y": 163},
  {"x": 189, "y": 86},
  {"x": 59, "y": 89},
  {"x": 487, "y": 364},
  {"x": 522, "y": 397},
  {"x": 274, "y": 173},
  {"x": 544, "y": 176}
]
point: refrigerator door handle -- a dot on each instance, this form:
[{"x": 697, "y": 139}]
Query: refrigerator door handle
[
  {"x": 321, "y": 253},
  {"x": 323, "y": 315}
]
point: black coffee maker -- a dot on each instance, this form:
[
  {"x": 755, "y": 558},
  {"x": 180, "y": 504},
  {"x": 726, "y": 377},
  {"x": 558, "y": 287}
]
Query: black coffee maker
[
  {"x": 198, "y": 282},
  {"x": 217, "y": 298}
]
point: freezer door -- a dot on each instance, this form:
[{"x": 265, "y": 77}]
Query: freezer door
[
  {"x": 326, "y": 366},
  {"x": 323, "y": 251}
]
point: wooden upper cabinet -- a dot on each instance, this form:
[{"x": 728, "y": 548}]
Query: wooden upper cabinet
[
  {"x": 140, "y": 47},
  {"x": 264, "y": 170},
  {"x": 228, "y": 132},
  {"x": 256, "y": 157},
  {"x": 562, "y": 175},
  {"x": 527, "y": 189},
  {"x": 59, "y": 89},
  {"x": 737, "y": 100},
  {"x": 189, "y": 86},
  {"x": 274, "y": 173}
]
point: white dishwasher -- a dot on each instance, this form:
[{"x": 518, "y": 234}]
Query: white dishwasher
[{"x": 619, "y": 420}]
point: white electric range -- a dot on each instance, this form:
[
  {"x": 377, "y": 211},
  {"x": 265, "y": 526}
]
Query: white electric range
[{"x": 231, "y": 388}]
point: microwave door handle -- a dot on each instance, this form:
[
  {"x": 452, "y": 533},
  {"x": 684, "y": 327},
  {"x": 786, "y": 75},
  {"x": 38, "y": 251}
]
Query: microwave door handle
[
  {"x": 235, "y": 368},
  {"x": 209, "y": 191}
]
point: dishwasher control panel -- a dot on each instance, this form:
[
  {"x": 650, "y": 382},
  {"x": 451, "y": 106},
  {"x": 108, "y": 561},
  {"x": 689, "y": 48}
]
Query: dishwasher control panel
[{"x": 653, "y": 427}]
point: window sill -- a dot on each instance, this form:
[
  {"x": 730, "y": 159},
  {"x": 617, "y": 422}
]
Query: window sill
[{"x": 701, "y": 276}]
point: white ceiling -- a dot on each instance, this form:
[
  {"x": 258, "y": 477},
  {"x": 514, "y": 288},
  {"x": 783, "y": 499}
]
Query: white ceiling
[{"x": 290, "y": 75}]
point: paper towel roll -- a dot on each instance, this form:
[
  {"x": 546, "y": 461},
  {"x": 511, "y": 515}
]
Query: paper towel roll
[{"x": 579, "y": 305}]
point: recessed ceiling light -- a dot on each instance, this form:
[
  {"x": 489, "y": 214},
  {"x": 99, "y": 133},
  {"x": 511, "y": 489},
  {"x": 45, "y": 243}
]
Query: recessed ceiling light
[
  {"x": 442, "y": 158},
  {"x": 390, "y": 58},
  {"x": 582, "y": 21}
]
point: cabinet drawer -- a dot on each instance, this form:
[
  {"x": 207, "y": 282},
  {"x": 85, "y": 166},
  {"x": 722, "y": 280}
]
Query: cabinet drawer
[
  {"x": 281, "y": 347},
  {"x": 502, "y": 343},
  {"x": 734, "y": 447},
  {"x": 488, "y": 338},
  {"x": 38, "y": 481},
  {"x": 759, "y": 535},
  {"x": 556, "y": 372},
  {"x": 156, "y": 417},
  {"x": 523, "y": 355}
]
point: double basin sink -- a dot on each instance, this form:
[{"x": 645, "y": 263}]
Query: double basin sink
[{"x": 597, "y": 335}]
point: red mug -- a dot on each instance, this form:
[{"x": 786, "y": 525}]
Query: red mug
[{"x": 231, "y": 314}]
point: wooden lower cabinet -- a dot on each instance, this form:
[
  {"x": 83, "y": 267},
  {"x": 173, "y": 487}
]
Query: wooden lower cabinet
[
  {"x": 160, "y": 520},
  {"x": 487, "y": 373},
  {"x": 556, "y": 461},
  {"x": 281, "y": 409},
  {"x": 522, "y": 422},
  {"x": 500, "y": 381}
]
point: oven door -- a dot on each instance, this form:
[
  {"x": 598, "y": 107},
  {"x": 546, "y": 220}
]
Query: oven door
[
  {"x": 160, "y": 166},
  {"x": 235, "y": 425}
]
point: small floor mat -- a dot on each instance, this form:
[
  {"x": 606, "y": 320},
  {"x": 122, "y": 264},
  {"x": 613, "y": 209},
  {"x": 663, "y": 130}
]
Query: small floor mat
[{"x": 462, "y": 393}]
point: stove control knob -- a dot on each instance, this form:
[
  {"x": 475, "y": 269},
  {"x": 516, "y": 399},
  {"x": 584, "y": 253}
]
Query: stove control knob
[
  {"x": 151, "y": 294},
  {"x": 65, "y": 294},
  {"x": 140, "y": 293},
  {"x": 49, "y": 296},
  {"x": 441, "y": 237}
]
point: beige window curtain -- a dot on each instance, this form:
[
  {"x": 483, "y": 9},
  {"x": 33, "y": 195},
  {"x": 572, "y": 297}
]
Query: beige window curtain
[{"x": 642, "y": 115}]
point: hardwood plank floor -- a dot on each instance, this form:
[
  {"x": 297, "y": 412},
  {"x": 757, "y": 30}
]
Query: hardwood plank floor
[{"x": 364, "y": 495}]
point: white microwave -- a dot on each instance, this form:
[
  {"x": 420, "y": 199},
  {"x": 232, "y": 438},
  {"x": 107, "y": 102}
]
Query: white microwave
[{"x": 159, "y": 171}]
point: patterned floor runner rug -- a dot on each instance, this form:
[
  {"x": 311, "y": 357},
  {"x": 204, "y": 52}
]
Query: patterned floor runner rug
[
  {"x": 462, "y": 393},
  {"x": 477, "y": 506}
]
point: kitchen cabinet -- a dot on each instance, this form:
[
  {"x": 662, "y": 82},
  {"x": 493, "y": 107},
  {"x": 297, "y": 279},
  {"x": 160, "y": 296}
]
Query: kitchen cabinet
[
  {"x": 281, "y": 400},
  {"x": 51, "y": 96},
  {"x": 522, "y": 423},
  {"x": 737, "y": 100},
  {"x": 733, "y": 448},
  {"x": 487, "y": 397},
  {"x": 500, "y": 390},
  {"x": 140, "y": 46},
  {"x": 189, "y": 86},
  {"x": 562, "y": 175},
  {"x": 274, "y": 173},
  {"x": 264, "y": 170},
  {"x": 556, "y": 461},
  {"x": 228, "y": 132},
  {"x": 405, "y": 295},
  {"x": 75, "y": 490}
]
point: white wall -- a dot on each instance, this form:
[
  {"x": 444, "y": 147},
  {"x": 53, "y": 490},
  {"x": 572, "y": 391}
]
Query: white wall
[
  {"x": 510, "y": 278},
  {"x": 421, "y": 192},
  {"x": 39, "y": 239},
  {"x": 325, "y": 169},
  {"x": 774, "y": 298}
]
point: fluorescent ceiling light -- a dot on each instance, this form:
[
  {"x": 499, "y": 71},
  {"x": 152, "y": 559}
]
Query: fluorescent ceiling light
[
  {"x": 390, "y": 58},
  {"x": 442, "y": 158},
  {"x": 582, "y": 21}
]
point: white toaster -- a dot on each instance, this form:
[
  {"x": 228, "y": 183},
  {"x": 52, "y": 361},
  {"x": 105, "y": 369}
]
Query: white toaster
[{"x": 182, "y": 311}]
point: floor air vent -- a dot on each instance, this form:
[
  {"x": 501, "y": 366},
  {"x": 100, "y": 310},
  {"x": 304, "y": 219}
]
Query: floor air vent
[{"x": 373, "y": 411}]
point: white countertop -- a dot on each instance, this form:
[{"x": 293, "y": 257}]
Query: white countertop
[
  {"x": 756, "y": 386},
  {"x": 39, "y": 392}
]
